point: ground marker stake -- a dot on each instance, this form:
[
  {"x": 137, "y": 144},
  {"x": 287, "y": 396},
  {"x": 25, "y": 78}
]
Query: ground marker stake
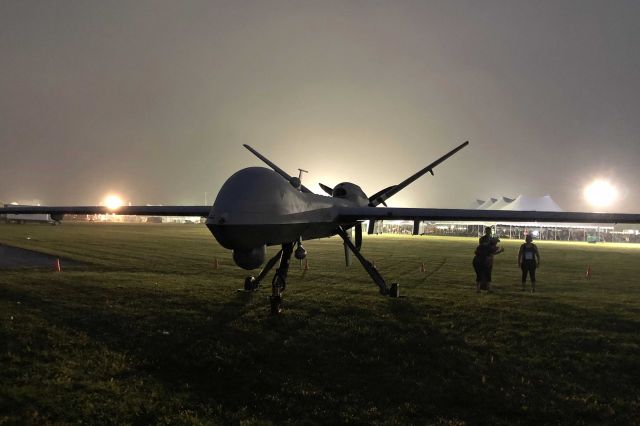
[
  {"x": 422, "y": 268},
  {"x": 588, "y": 271},
  {"x": 215, "y": 263},
  {"x": 56, "y": 265}
]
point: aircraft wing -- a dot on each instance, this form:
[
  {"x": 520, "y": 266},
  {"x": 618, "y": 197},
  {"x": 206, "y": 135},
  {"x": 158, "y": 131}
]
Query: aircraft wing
[
  {"x": 202, "y": 211},
  {"x": 352, "y": 214}
]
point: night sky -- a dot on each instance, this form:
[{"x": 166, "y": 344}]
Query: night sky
[{"x": 153, "y": 100}]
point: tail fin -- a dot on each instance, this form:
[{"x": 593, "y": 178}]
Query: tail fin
[{"x": 381, "y": 196}]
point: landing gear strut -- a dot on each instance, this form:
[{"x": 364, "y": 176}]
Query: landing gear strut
[
  {"x": 253, "y": 283},
  {"x": 393, "y": 290},
  {"x": 279, "y": 281}
]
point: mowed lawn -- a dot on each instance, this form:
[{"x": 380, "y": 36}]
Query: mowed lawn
[{"x": 147, "y": 331}]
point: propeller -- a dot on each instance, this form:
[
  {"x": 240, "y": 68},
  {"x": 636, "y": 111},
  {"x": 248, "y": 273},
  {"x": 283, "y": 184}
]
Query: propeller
[
  {"x": 372, "y": 226},
  {"x": 358, "y": 241},
  {"x": 329, "y": 191},
  {"x": 347, "y": 251},
  {"x": 358, "y": 228},
  {"x": 326, "y": 189},
  {"x": 379, "y": 193}
]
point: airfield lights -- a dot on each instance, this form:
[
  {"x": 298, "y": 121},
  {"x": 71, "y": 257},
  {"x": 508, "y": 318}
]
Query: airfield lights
[
  {"x": 113, "y": 202},
  {"x": 600, "y": 193}
]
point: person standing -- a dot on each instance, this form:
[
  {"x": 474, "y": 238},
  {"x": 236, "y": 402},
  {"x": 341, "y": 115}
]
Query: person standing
[
  {"x": 494, "y": 249},
  {"x": 480, "y": 265},
  {"x": 486, "y": 238},
  {"x": 483, "y": 261},
  {"x": 528, "y": 261}
]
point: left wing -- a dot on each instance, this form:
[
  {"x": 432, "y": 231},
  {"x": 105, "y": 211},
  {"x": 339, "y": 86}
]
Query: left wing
[
  {"x": 352, "y": 214},
  {"x": 202, "y": 211}
]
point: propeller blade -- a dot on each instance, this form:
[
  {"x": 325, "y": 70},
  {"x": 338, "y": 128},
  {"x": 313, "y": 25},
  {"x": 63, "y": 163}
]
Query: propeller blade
[
  {"x": 326, "y": 189},
  {"x": 379, "y": 193},
  {"x": 347, "y": 251},
  {"x": 372, "y": 226},
  {"x": 274, "y": 167},
  {"x": 358, "y": 235},
  {"x": 347, "y": 255}
]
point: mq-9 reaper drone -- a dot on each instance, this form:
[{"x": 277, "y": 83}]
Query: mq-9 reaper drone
[{"x": 257, "y": 207}]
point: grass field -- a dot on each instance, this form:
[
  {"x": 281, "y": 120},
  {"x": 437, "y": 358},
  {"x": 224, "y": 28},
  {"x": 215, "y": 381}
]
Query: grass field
[{"x": 148, "y": 332}]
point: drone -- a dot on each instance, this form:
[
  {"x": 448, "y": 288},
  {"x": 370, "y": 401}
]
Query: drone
[{"x": 259, "y": 207}]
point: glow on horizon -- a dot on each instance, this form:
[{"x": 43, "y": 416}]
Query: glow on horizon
[
  {"x": 600, "y": 193},
  {"x": 113, "y": 202}
]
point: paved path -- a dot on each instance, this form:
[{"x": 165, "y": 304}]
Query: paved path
[{"x": 13, "y": 257}]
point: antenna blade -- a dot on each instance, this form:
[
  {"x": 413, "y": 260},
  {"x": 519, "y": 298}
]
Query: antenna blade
[
  {"x": 383, "y": 195},
  {"x": 274, "y": 167}
]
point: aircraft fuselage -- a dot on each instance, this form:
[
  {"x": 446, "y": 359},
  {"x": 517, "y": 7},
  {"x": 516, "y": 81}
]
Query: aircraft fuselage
[{"x": 257, "y": 207}]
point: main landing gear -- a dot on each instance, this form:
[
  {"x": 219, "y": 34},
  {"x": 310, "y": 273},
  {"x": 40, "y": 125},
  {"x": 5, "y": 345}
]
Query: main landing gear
[
  {"x": 279, "y": 282},
  {"x": 393, "y": 290}
]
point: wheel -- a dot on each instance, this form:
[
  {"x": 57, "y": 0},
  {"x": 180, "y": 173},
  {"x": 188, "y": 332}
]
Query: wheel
[
  {"x": 250, "y": 284},
  {"x": 394, "y": 291},
  {"x": 276, "y": 304}
]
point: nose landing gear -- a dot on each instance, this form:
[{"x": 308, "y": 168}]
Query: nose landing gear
[{"x": 279, "y": 282}]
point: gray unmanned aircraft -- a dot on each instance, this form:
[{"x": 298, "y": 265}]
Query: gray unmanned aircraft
[{"x": 258, "y": 207}]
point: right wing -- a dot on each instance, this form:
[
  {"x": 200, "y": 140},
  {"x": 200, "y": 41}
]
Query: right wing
[{"x": 353, "y": 214}]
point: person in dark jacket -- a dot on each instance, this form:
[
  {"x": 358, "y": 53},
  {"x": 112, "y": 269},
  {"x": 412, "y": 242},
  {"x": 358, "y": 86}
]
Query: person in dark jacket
[
  {"x": 494, "y": 249},
  {"x": 483, "y": 261},
  {"x": 528, "y": 261},
  {"x": 480, "y": 265},
  {"x": 486, "y": 238}
]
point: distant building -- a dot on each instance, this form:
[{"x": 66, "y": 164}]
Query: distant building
[
  {"x": 26, "y": 218},
  {"x": 542, "y": 231}
]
